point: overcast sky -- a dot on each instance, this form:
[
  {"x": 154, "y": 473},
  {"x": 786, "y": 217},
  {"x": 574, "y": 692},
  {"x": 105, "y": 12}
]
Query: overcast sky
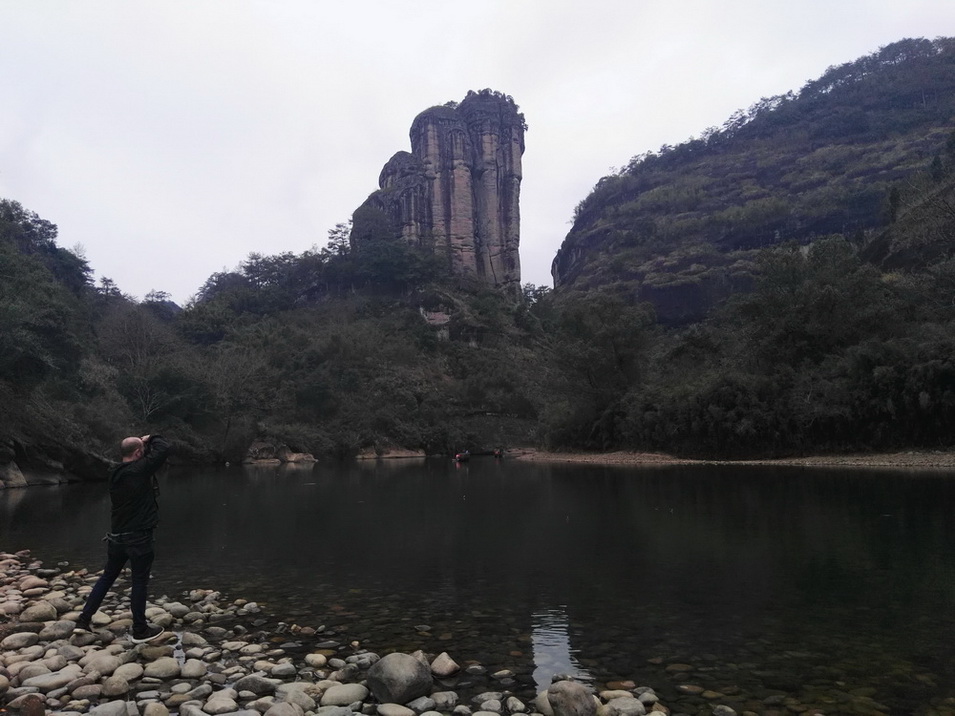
[{"x": 171, "y": 138}]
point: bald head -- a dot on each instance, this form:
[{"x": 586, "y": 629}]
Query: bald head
[{"x": 131, "y": 448}]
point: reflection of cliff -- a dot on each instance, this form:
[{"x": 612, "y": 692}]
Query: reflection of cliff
[
  {"x": 457, "y": 192},
  {"x": 553, "y": 654}
]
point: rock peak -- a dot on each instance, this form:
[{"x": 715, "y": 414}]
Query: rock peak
[{"x": 457, "y": 193}]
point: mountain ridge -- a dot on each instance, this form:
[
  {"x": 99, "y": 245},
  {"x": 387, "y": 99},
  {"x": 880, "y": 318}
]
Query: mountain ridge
[{"x": 677, "y": 227}]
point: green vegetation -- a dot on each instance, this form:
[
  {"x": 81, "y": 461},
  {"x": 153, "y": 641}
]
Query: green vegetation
[
  {"x": 830, "y": 159},
  {"x": 746, "y": 294}
]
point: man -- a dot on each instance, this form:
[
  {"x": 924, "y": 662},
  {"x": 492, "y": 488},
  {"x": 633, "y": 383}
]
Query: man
[{"x": 133, "y": 489}]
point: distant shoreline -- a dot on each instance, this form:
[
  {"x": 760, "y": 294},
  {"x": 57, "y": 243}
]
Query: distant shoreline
[{"x": 923, "y": 460}]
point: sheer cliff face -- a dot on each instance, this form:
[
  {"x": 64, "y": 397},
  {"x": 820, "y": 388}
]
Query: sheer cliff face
[{"x": 457, "y": 193}]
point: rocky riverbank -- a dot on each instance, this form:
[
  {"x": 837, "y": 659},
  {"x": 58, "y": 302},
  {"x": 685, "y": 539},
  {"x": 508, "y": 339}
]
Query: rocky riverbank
[
  {"x": 920, "y": 460},
  {"x": 217, "y": 660}
]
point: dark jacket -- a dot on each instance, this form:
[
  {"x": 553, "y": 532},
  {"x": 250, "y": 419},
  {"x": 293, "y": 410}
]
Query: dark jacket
[{"x": 133, "y": 489}]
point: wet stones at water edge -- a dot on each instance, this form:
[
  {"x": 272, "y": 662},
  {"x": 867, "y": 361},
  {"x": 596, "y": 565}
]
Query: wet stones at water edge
[{"x": 213, "y": 665}]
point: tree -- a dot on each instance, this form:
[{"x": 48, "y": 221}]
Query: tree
[{"x": 339, "y": 243}]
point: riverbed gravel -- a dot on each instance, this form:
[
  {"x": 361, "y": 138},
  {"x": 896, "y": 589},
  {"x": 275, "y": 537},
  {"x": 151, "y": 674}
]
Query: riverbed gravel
[{"x": 217, "y": 660}]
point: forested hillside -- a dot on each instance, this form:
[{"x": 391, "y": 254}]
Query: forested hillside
[
  {"x": 817, "y": 246},
  {"x": 839, "y": 157}
]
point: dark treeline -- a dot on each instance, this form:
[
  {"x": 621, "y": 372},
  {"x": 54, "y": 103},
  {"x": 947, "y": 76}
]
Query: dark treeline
[{"x": 329, "y": 353}]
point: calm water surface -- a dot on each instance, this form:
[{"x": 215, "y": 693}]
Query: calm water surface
[{"x": 817, "y": 584}]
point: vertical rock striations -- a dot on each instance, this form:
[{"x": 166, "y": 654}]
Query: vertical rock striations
[{"x": 457, "y": 193}]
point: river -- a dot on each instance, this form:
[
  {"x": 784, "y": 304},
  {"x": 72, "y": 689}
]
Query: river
[{"x": 766, "y": 582}]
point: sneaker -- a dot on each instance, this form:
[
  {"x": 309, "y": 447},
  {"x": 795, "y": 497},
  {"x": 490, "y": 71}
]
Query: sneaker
[
  {"x": 150, "y": 633},
  {"x": 82, "y": 626}
]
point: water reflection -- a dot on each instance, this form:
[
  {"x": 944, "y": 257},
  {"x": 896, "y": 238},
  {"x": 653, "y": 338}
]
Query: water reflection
[
  {"x": 550, "y": 637},
  {"x": 534, "y": 567}
]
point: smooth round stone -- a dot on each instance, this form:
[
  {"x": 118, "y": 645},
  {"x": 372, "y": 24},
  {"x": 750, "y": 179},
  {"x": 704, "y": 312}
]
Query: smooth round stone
[
  {"x": 57, "y": 630},
  {"x": 155, "y": 651},
  {"x": 129, "y": 671},
  {"x": 300, "y": 697},
  {"x": 88, "y": 691},
  {"x": 443, "y": 665},
  {"x": 202, "y": 691},
  {"x": 4, "y": 683},
  {"x": 20, "y": 701},
  {"x": 283, "y": 708},
  {"x": 154, "y": 708},
  {"x": 70, "y": 652},
  {"x": 54, "y": 662},
  {"x": 333, "y": 711},
  {"x": 444, "y": 700},
  {"x": 101, "y": 619},
  {"x": 165, "y": 667},
  {"x": 220, "y": 705},
  {"x": 10, "y": 608},
  {"x": 115, "y": 686},
  {"x": 256, "y": 684},
  {"x": 493, "y": 706},
  {"x": 514, "y": 705},
  {"x": 194, "y": 669},
  {"x": 53, "y": 681},
  {"x": 19, "y": 640},
  {"x": 394, "y": 710},
  {"x": 623, "y": 706},
  {"x": 344, "y": 694},
  {"x": 103, "y": 662},
  {"x": 32, "y": 669},
  {"x": 679, "y": 668},
  {"x": 422, "y": 704},
  {"x": 192, "y": 639},
  {"x": 281, "y": 671},
  {"x": 316, "y": 661},
  {"x": 110, "y": 708},
  {"x": 263, "y": 704},
  {"x": 177, "y": 609},
  {"x": 175, "y": 701},
  {"x": 488, "y": 696},
  {"x": 32, "y": 581}
]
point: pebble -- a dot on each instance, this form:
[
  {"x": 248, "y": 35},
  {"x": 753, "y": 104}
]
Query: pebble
[{"x": 203, "y": 669}]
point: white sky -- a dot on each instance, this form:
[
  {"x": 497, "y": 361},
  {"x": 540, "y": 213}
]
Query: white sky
[{"x": 171, "y": 138}]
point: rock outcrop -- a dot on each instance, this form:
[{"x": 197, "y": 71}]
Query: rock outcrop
[{"x": 457, "y": 192}]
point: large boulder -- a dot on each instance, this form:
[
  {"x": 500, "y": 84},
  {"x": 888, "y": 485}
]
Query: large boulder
[
  {"x": 39, "y": 612},
  {"x": 399, "y": 678},
  {"x": 10, "y": 476},
  {"x": 570, "y": 698}
]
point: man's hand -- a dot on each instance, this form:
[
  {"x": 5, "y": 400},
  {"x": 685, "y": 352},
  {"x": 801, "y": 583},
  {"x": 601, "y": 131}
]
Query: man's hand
[{"x": 145, "y": 438}]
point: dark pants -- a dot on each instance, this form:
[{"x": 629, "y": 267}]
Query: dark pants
[{"x": 140, "y": 557}]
